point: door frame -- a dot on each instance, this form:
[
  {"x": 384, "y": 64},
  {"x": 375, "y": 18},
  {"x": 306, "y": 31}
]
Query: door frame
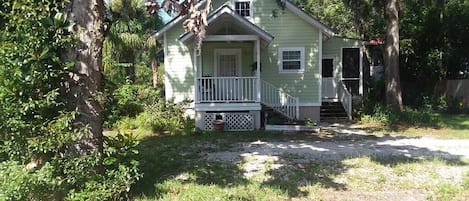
[
  {"x": 360, "y": 59},
  {"x": 334, "y": 75},
  {"x": 230, "y": 51}
]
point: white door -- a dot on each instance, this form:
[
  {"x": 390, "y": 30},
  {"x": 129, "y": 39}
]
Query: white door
[
  {"x": 329, "y": 86},
  {"x": 228, "y": 65},
  {"x": 228, "y": 62}
]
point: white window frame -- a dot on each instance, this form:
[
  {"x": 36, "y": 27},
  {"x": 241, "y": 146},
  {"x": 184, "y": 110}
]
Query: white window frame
[
  {"x": 251, "y": 7},
  {"x": 302, "y": 59}
]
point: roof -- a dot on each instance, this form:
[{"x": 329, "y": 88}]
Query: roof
[
  {"x": 288, "y": 5},
  {"x": 225, "y": 12}
]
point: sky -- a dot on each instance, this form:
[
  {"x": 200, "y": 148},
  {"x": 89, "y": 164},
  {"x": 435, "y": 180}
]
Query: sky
[{"x": 164, "y": 16}]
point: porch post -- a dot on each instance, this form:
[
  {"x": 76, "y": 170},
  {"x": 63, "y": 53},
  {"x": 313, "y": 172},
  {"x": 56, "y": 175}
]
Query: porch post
[
  {"x": 196, "y": 74},
  {"x": 258, "y": 70}
]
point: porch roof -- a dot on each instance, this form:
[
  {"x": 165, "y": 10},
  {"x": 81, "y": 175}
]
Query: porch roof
[{"x": 225, "y": 21}]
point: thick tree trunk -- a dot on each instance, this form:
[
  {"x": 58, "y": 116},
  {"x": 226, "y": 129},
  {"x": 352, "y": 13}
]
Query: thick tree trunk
[
  {"x": 154, "y": 69},
  {"x": 85, "y": 82},
  {"x": 391, "y": 56}
]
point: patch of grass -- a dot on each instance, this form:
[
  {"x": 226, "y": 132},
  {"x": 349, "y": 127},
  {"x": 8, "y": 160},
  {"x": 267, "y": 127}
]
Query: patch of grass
[
  {"x": 176, "y": 167},
  {"x": 176, "y": 190},
  {"x": 450, "y": 192},
  {"x": 445, "y": 126}
]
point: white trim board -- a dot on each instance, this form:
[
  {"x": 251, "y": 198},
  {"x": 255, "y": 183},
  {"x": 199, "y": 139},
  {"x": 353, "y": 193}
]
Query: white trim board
[
  {"x": 320, "y": 66},
  {"x": 219, "y": 107}
]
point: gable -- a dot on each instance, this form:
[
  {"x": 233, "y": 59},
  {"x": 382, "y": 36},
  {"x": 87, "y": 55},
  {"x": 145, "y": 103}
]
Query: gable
[{"x": 258, "y": 7}]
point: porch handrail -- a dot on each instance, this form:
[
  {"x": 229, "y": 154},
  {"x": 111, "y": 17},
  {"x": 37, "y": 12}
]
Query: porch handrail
[
  {"x": 279, "y": 101},
  {"x": 345, "y": 98},
  {"x": 226, "y": 89}
]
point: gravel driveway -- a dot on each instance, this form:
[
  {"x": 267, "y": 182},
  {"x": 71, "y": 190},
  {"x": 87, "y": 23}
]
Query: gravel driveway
[{"x": 350, "y": 142}]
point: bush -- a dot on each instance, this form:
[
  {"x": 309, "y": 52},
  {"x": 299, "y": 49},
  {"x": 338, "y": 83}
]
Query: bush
[
  {"x": 76, "y": 182},
  {"x": 128, "y": 100},
  {"x": 379, "y": 112},
  {"x": 19, "y": 183},
  {"x": 158, "y": 117},
  {"x": 121, "y": 171},
  {"x": 38, "y": 135}
]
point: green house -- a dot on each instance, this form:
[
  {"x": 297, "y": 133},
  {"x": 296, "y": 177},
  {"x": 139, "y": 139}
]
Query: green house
[{"x": 259, "y": 54}]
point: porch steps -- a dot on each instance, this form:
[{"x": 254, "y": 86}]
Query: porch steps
[{"x": 333, "y": 112}]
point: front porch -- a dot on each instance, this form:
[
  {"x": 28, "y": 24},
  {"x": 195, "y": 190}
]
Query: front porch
[
  {"x": 227, "y": 90},
  {"x": 239, "y": 102}
]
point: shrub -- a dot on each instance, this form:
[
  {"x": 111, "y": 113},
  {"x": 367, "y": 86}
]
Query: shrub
[
  {"x": 128, "y": 100},
  {"x": 19, "y": 183},
  {"x": 379, "y": 112},
  {"x": 160, "y": 116},
  {"x": 38, "y": 159}
]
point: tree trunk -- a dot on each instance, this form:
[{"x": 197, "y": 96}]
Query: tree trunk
[
  {"x": 154, "y": 68},
  {"x": 391, "y": 56},
  {"x": 83, "y": 90}
]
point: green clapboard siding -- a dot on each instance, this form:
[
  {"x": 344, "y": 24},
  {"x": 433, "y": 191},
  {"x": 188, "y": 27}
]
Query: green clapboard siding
[
  {"x": 288, "y": 30},
  {"x": 179, "y": 74}
]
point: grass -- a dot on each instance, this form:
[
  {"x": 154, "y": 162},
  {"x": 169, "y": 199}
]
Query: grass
[
  {"x": 444, "y": 126},
  {"x": 176, "y": 167}
]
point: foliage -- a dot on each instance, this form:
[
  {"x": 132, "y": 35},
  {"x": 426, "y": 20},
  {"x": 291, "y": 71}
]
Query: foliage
[
  {"x": 160, "y": 116},
  {"x": 355, "y": 19},
  {"x": 127, "y": 38},
  {"x": 129, "y": 100},
  {"x": 30, "y": 76},
  {"x": 18, "y": 183},
  {"x": 308, "y": 122},
  {"x": 121, "y": 171},
  {"x": 38, "y": 160},
  {"x": 372, "y": 111}
]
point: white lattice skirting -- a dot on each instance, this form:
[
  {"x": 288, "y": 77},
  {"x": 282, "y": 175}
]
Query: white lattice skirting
[{"x": 234, "y": 121}]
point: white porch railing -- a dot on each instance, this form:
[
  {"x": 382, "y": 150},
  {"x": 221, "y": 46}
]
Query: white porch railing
[
  {"x": 226, "y": 89},
  {"x": 280, "y": 101},
  {"x": 345, "y": 98}
]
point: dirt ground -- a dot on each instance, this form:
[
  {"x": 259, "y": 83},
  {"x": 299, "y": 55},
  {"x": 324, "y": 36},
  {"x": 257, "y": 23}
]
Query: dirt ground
[{"x": 344, "y": 143}]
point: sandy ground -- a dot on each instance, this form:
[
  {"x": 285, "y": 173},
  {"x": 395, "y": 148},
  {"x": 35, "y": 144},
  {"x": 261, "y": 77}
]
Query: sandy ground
[
  {"x": 350, "y": 142},
  {"x": 346, "y": 143}
]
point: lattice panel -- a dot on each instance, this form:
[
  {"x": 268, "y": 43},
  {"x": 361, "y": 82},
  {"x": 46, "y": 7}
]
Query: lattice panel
[
  {"x": 234, "y": 121},
  {"x": 208, "y": 119},
  {"x": 239, "y": 121}
]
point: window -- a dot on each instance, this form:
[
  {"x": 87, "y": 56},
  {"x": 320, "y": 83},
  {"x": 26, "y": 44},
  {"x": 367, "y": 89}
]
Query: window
[
  {"x": 243, "y": 8},
  {"x": 327, "y": 68},
  {"x": 291, "y": 59}
]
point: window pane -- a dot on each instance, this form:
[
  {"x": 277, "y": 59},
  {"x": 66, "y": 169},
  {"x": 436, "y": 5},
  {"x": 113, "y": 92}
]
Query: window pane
[
  {"x": 327, "y": 67},
  {"x": 291, "y": 65},
  {"x": 291, "y": 55},
  {"x": 243, "y": 8}
]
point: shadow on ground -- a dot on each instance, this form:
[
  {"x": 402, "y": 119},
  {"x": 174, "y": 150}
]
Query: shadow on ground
[{"x": 301, "y": 159}]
